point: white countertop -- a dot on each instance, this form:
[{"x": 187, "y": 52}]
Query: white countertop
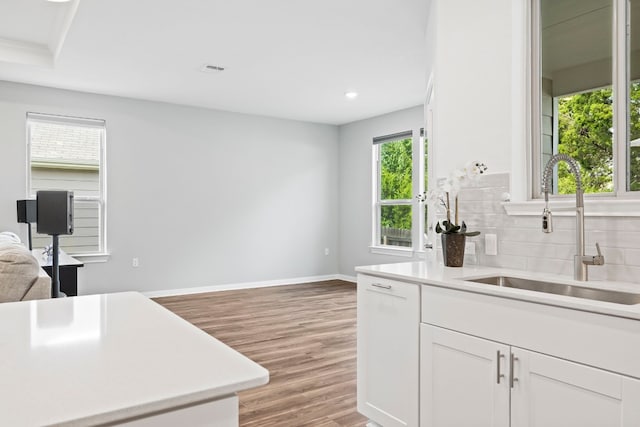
[
  {"x": 436, "y": 274},
  {"x": 101, "y": 358}
]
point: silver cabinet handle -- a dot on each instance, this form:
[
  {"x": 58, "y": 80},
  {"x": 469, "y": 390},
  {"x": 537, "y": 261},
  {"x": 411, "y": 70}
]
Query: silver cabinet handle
[
  {"x": 380, "y": 285},
  {"x": 512, "y": 378},
  {"x": 499, "y": 375}
]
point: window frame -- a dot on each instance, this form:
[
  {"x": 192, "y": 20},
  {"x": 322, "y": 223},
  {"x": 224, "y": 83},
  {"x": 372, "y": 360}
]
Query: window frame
[
  {"x": 101, "y": 199},
  {"x": 417, "y": 210},
  {"x": 620, "y": 84}
]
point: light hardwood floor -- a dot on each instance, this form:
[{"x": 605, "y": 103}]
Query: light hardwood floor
[{"x": 305, "y": 335}]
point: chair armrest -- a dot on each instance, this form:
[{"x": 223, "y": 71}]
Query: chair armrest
[{"x": 41, "y": 288}]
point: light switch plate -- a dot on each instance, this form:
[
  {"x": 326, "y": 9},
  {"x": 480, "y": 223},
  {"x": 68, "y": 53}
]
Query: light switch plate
[{"x": 491, "y": 244}]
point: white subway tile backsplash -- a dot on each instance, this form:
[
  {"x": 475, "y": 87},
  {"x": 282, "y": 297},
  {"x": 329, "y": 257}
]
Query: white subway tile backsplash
[
  {"x": 523, "y": 245},
  {"x": 612, "y": 256},
  {"x": 537, "y": 236},
  {"x": 551, "y": 266},
  {"x": 494, "y": 180},
  {"x": 613, "y": 224},
  {"x": 470, "y": 194},
  {"x": 508, "y": 261},
  {"x": 617, "y": 273},
  {"x": 520, "y": 222},
  {"x": 562, "y": 223},
  {"x": 619, "y": 239},
  {"x": 632, "y": 257},
  {"x": 538, "y": 250}
]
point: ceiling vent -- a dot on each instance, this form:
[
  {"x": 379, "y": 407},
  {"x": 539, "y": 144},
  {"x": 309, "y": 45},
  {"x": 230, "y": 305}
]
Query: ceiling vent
[{"x": 208, "y": 68}]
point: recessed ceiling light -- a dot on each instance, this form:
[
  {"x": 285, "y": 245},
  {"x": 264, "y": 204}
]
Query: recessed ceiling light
[
  {"x": 351, "y": 94},
  {"x": 58, "y": 1},
  {"x": 208, "y": 68}
]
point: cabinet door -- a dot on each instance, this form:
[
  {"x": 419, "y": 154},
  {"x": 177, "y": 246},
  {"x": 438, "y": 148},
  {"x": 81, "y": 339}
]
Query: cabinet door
[
  {"x": 388, "y": 334},
  {"x": 551, "y": 392},
  {"x": 464, "y": 380}
]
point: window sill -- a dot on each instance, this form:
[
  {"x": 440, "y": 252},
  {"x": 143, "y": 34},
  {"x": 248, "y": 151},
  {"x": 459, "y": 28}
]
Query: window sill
[
  {"x": 390, "y": 250},
  {"x": 592, "y": 207},
  {"x": 92, "y": 258}
]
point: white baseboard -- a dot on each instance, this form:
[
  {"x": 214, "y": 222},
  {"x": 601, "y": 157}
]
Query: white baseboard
[
  {"x": 247, "y": 285},
  {"x": 346, "y": 278}
]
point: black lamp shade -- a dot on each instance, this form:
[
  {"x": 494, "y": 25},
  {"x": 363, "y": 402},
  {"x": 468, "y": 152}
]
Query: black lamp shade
[{"x": 27, "y": 211}]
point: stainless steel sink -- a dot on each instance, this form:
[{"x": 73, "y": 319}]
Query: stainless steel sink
[{"x": 560, "y": 289}]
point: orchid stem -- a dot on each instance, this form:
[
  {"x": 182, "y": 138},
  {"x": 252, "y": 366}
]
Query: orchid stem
[
  {"x": 456, "y": 210},
  {"x": 448, "y": 209}
]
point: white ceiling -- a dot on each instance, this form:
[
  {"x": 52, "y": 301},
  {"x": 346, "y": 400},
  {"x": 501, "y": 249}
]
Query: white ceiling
[{"x": 283, "y": 58}]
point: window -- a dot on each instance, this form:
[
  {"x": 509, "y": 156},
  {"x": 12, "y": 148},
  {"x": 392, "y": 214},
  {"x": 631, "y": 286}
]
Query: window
[
  {"x": 67, "y": 153},
  {"x": 424, "y": 142},
  {"x": 395, "y": 204},
  {"x": 587, "y": 87}
]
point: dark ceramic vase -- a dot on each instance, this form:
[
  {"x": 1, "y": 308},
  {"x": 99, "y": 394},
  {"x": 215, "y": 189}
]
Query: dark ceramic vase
[{"x": 453, "y": 249}]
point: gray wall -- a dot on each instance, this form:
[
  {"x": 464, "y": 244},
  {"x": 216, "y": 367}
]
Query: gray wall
[
  {"x": 355, "y": 184},
  {"x": 201, "y": 197}
]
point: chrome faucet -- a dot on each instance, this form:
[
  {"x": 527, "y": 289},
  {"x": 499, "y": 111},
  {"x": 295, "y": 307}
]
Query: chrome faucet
[{"x": 580, "y": 261}]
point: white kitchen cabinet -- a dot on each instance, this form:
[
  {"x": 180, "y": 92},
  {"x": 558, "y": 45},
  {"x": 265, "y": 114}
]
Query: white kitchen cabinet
[
  {"x": 464, "y": 380},
  {"x": 388, "y": 351},
  {"x": 467, "y": 380},
  {"x": 551, "y": 392}
]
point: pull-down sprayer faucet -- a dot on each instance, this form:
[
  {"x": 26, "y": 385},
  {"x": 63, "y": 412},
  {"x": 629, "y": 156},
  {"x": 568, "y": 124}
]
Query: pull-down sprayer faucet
[{"x": 580, "y": 261}]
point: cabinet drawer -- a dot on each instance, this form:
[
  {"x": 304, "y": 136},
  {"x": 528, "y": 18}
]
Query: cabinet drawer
[
  {"x": 387, "y": 286},
  {"x": 608, "y": 342}
]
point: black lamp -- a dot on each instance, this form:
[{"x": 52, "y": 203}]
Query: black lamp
[
  {"x": 27, "y": 214},
  {"x": 55, "y": 217}
]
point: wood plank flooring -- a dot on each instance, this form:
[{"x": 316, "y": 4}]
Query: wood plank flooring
[{"x": 305, "y": 335}]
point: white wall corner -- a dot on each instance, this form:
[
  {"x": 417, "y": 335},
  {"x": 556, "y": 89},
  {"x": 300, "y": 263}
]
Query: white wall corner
[
  {"x": 346, "y": 278},
  {"x": 520, "y": 100},
  {"x": 61, "y": 28}
]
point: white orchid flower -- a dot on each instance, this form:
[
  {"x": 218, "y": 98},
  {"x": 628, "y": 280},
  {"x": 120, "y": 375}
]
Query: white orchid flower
[
  {"x": 474, "y": 169},
  {"x": 458, "y": 174},
  {"x": 453, "y": 183},
  {"x": 433, "y": 197},
  {"x": 447, "y": 185}
]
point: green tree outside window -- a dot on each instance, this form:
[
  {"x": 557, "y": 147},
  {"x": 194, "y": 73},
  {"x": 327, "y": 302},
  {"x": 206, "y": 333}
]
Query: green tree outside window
[
  {"x": 585, "y": 122},
  {"x": 395, "y": 184}
]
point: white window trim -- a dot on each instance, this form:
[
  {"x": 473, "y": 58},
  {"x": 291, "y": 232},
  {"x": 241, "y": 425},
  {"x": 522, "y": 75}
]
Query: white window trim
[
  {"x": 102, "y": 255},
  {"x": 400, "y": 251},
  {"x": 417, "y": 181},
  {"x": 526, "y": 131},
  {"x": 428, "y": 235},
  {"x": 93, "y": 258}
]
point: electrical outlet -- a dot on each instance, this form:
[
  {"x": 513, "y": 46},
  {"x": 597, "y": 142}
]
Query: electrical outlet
[
  {"x": 470, "y": 248},
  {"x": 491, "y": 244},
  {"x": 135, "y": 263},
  {"x": 326, "y": 251}
]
